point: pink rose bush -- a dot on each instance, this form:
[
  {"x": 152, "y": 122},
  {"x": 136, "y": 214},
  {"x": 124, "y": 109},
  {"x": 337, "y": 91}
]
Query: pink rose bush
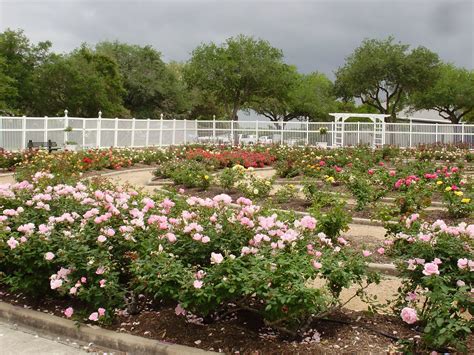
[
  {"x": 436, "y": 266},
  {"x": 96, "y": 243}
]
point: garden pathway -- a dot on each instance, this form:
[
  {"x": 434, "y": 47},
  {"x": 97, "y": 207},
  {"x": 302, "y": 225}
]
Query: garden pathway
[
  {"x": 14, "y": 340},
  {"x": 6, "y": 179}
]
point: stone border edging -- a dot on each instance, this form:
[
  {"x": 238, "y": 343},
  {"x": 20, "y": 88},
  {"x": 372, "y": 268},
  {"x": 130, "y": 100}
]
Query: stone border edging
[{"x": 59, "y": 327}]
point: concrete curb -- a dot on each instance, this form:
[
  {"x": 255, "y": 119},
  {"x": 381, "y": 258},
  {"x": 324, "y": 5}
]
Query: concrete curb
[{"x": 59, "y": 327}]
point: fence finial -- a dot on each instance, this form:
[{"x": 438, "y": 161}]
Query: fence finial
[
  {"x": 161, "y": 116},
  {"x": 65, "y": 113},
  {"x": 100, "y": 114}
]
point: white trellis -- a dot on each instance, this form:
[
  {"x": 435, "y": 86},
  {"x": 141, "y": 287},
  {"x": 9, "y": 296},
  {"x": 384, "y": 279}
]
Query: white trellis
[{"x": 378, "y": 121}]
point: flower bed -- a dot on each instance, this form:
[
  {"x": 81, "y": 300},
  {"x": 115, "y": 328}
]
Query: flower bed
[
  {"x": 95, "y": 243},
  {"x": 95, "y": 247}
]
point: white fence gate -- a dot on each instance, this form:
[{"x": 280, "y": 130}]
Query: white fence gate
[{"x": 15, "y": 132}]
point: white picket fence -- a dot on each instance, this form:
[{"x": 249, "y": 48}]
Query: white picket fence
[{"x": 15, "y": 132}]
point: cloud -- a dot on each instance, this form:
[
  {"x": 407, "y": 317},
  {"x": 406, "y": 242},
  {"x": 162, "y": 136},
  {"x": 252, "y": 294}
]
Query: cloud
[{"x": 314, "y": 35}]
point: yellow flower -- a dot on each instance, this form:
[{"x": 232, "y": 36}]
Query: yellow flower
[
  {"x": 448, "y": 188},
  {"x": 439, "y": 182},
  {"x": 466, "y": 200},
  {"x": 330, "y": 179},
  {"x": 206, "y": 177},
  {"x": 458, "y": 193}
]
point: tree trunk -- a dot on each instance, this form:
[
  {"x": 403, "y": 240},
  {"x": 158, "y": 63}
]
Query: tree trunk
[
  {"x": 454, "y": 118},
  {"x": 235, "y": 118}
]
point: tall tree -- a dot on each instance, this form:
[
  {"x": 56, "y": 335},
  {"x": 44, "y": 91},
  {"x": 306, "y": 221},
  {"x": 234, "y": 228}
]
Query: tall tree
[
  {"x": 236, "y": 72},
  {"x": 382, "y": 74},
  {"x": 83, "y": 82},
  {"x": 151, "y": 86},
  {"x": 452, "y": 95},
  {"x": 21, "y": 58},
  {"x": 8, "y": 90},
  {"x": 298, "y": 95}
]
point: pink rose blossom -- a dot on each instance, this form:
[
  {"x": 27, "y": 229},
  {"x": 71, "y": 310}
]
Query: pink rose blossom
[
  {"x": 12, "y": 243},
  {"x": 49, "y": 256},
  {"x": 317, "y": 265},
  {"x": 197, "y": 284},
  {"x": 101, "y": 312},
  {"x": 409, "y": 315},
  {"x": 94, "y": 316},
  {"x": 179, "y": 310},
  {"x": 462, "y": 263},
  {"x": 430, "y": 269},
  {"x": 56, "y": 283},
  {"x": 68, "y": 312},
  {"x": 216, "y": 258},
  {"x": 101, "y": 238},
  {"x": 366, "y": 253}
]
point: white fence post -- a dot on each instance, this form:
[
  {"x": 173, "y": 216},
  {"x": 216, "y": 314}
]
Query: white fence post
[
  {"x": 462, "y": 132},
  {"x": 185, "y": 133},
  {"x": 98, "y": 137},
  {"x": 358, "y": 132},
  {"x": 213, "y": 129},
  {"x": 411, "y": 130},
  {"x": 23, "y": 133},
  {"x": 256, "y": 130},
  {"x": 173, "y": 139},
  {"x": 281, "y": 132},
  {"x": 83, "y": 133},
  {"x": 132, "y": 141},
  {"x": 147, "y": 137},
  {"x": 66, "y": 124},
  {"x": 45, "y": 126},
  {"x": 436, "y": 136},
  {"x": 161, "y": 130},
  {"x": 116, "y": 132},
  {"x": 307, "y": 130},
  {"x": 232, "y": 132}
]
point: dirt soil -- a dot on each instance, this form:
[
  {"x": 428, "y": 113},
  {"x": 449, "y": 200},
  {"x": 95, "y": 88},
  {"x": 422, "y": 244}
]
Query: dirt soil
[{"x": 344, "y": 332}]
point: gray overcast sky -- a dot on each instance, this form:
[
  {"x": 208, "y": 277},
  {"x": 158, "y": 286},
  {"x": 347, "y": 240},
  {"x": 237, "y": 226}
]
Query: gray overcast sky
[{"x": 314, "y": 35}]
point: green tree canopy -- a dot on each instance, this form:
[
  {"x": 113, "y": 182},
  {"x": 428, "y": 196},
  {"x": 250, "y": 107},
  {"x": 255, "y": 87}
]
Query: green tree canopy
[
  {"x": 82, "y": 82},
  {"x": 382, "y": 74},
  {"x": 298, "y": 95},
  {"x": 452, "y": 95},
  {"x": 8, "y": 90},
  {"x": 19, "y": 60},
  {"x": 151, "y": 86},
  {"x": 236, "y": 72}
]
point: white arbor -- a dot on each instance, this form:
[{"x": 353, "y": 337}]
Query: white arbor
[{"x": 377, "y": 119}]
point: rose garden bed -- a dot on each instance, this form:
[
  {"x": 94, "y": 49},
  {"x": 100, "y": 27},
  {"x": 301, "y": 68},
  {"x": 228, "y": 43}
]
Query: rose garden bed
[{"x": 199, "y": 265}]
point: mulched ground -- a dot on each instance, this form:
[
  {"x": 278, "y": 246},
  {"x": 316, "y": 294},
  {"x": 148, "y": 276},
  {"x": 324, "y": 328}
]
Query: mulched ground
[{"x": 243, "y": 333}]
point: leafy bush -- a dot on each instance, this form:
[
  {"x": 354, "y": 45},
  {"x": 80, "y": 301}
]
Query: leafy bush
[
  {"x": 192, "y": 174},
  {"x": 97, "y": 242},
  {"x": 255, "y": 186},
  {"x": 229, "y": 177},
  {"x": 286, "y": 193},
  {"x": 436, "y": 266}
]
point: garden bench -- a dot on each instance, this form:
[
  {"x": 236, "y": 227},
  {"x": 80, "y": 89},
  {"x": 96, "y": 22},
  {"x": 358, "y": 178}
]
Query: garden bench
[{"x": 49, "y": 145}]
